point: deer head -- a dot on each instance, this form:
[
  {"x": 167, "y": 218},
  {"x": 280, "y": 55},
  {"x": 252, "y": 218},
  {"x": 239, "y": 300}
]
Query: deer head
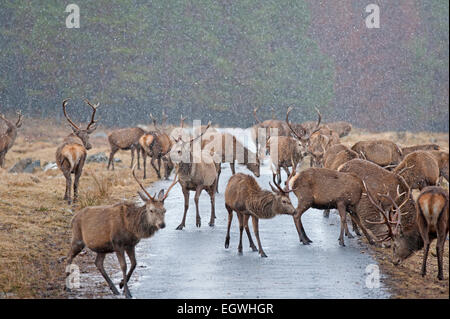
[
  {"x": 181, "y": 150},
  {"x": 154, "y": 205},
  {"x": 83, "y": 134}
]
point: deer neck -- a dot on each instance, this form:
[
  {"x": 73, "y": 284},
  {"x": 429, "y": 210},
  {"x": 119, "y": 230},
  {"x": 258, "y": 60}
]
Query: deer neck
[
  {"x": 413, "y": 238},
  {"x": 73, "y": 138},
  {"x": 137, "y": 222},
  {"x": 261, "y": 204}
]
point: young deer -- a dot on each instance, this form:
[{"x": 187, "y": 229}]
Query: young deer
[
  {"x": 118, "y": 228},
  {"x": 71, "y": 154},
  {"x": 8, "y": 138},
  {"x": 196, "y": 172},
  {"x": 246, "y": 198},
  {"x": 125, "y": 139},
  {"x": 431, "y": 221}
]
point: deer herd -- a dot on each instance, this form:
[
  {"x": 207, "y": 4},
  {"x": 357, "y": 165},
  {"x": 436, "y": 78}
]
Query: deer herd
[{"x": 371, "y": 181}]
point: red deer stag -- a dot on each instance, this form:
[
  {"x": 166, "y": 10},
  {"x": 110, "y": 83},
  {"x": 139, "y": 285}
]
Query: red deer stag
[
  {"x": 430, "y": 220},
  {"x": 419, "y": 169},
  {"x": 118, "y": 228},
  {"x": 196, "y": 172},
  {"x": 441, "y": 158},
  {"x": 322, "y": 188},
  {"x": 382, "y": 152},
  {"x": 422, "y": 147},
  {"x": 71, "y": 154},
  {"x": 8, "y": 138},
  {"x": 246, "y": 198},
  {"x": 125, "y": 139}
]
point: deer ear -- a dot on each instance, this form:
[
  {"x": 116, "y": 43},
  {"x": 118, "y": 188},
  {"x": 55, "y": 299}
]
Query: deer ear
[
  {"x": 143, "y": 197},
  {"x": 161, "y": 194}
]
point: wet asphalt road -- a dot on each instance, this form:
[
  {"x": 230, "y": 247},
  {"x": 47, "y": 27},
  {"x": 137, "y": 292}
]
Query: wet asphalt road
[{"x": 193, "y": 263}]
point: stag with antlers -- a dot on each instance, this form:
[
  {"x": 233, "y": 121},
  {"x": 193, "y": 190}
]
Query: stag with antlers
[
  {"x": 118, "y": 228},
  {"x": 8, "y": 138},
  {"x": 71, "y": 154}
]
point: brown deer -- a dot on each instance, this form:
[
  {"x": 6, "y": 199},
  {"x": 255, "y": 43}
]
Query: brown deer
[
  {"x": 340, "y": 128},
  {"x": 316, "y": 140},
  {"x": 8, "y": 138},
  {"x": 71, "y": 154},
  {"x": 441, "y": 158},
  {"x": 229, "y": 150},
  {"x": 246, "y": 198},
  {"x": 156, "y": 145},
  {"x": 270, "y": 127},
  {"x": 118, "y": 228},
  {"x": 422, "y": 147},
  {"x": 125, "y": 139},
  {"x": 196, "y": 172},
  {"x": 289, "y": 153},
  {"x": 419, "y": 169},
  {"x": 379, "y": 180},
  {"x": 430, "y": 220},
  {"x": 381, "y": 152},
  {"x": 337, "y": 155},
  {"x": 322, "y": 188}
]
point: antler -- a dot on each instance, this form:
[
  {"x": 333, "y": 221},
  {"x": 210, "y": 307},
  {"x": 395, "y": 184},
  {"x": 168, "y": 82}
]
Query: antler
[
  {"x": 385, "y": 221},
  {"x": 154, "y": 123},
  {"x": 170, "y": 187},
  {"x": 164, "y": 118},
  {"x": 94, "y": 109},
  {"x": 140, "y": 184},
  {"x": 254, "y": 114},
  {"x": 207, "y": 127},
  {"x": 182, "y": 118},
  {"x": 64, "y": 104},
  {"x": 300, "y": 137},
  {"x": 404, "y": 169},
  {"x": 19, "y": 120}
]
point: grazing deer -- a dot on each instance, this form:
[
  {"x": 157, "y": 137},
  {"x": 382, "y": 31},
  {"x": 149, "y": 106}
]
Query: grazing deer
[
  {"x": 246, "y": 198},
  {"x": 118, "y": 228},
  {"x": 379, "y": 180},
  {"x": 71, "y": 154},
  {"x": 156, "y": 145},
  {"x": 125, "y": 139},
  {"x": 229, "y": 150},
  {"x": 289, "y": 153},
  {"x": 196, "y": 172},
  {"x": 419, "y": 169},
  {"x": 337, "y": 155},
  {"x": 322, "y": 188},
  {"x": 422, "y": 147},
  {"x": 381, "y": 152},
  {"x": 340, "y": 128},
  {"x": 8, "y": 138},
  {"x": 430, "y": 220},
  {"x": 441, "y": 158}
]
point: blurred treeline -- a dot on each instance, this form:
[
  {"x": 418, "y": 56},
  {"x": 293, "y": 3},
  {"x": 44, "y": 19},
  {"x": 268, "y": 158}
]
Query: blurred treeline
[{"x": 212, "y": 60}]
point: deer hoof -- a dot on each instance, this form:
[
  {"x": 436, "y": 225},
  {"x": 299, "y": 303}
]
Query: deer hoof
[
  {"x": 254, "y": 248},
  {"x": 211, "y": 224},
  {"x": 341, "y": 243},
  {"x": 127, "y": 294},
  {"x": 180, "y": 227},
  {"x": 350, "y": 235}
]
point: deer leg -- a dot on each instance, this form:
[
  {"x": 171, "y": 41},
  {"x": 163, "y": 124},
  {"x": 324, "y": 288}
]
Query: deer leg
[
  {"x": 370, "y": 237},
  {"x": 186, "y": 206},
  {"x": 230, "y": 219},
  {"x": 241, "y": 230},
  {"x": 154, "y": 167},
  {"x": 159, "y": 166},
  {"x": 76, "y": 247},
  {"x": 278, "y": 175},
  {"x": 144, "y": 160},
  {"x": 131, "y": 254},
  {"x": 132, "y": 156},
  {"x": 298, "y": 224},
  {"x": 76, "y": 181},
  {"x": 138, "y": 151},
  {"x": 67, "y": 195},
  {"x": 255, "y": 221},
  {"x": 198, "y": 191},
  {"x": 249, "y": 235},
  {"x": 219, "y": 170},
  {"x": 233, "y": 168},
  {"x": 212, "y": 197},
  {"x": 440, "y": 252},
  {"x": 2, "y": 159},
  {"x": 123, "y": 265},
  {"x": 355, "y": 227},
  {"x": 425, "y": 256},
  {"x": 343, "y": 216},
  {"x": 326, "y": 213},
  {"x": 99, "y": 263},
  {"x": 111, "y": 158}
]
